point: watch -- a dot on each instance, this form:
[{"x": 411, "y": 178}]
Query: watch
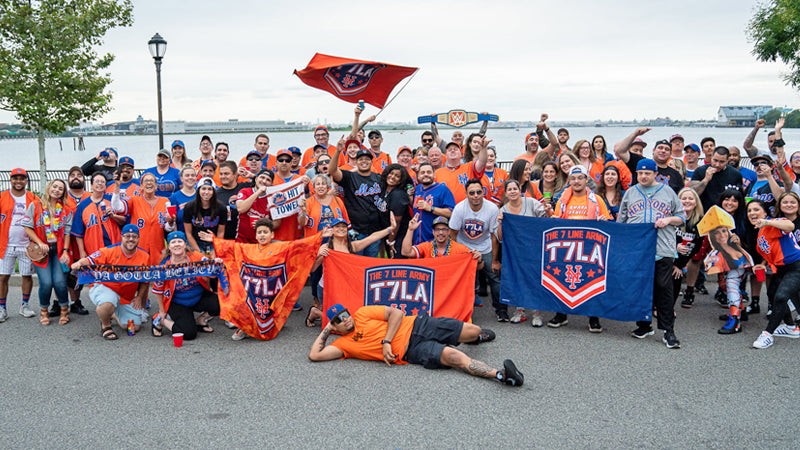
[{"x": 386, "y": 341}]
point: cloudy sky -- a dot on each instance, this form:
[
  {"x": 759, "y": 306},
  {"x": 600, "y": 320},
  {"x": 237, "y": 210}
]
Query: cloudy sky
[{"x": 575, "y": 59}]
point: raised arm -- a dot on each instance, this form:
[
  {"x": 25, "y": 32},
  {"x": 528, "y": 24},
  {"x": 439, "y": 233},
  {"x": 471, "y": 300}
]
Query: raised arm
[
  {"x": 436, "y": 138},
  {"x": 622, "y": 148},
  {"x": 407, "y": 249},
  {"x": 748, "y": 141},
  {"x": 333, "y": 167},
  {"x": 483, "y": 155},
  {"x": 355, "y": 127}
]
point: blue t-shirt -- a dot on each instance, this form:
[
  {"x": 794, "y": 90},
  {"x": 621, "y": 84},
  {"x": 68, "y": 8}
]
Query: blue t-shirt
[
  {"x": 187, "y": 291},
  {"x": 180, "y": 200},
  {"x": 437, "y": 195},
  {"x": 748, "y": 177},
  {"x": 167, "y": 183}
]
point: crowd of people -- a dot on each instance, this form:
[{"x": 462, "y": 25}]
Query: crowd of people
[{"x": 440, "y": 198}]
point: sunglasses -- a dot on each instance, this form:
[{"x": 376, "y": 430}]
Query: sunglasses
[
  {"x": 427, "y": 140},
  {"x": 284, "y": 160},
  {"x": 341, "y": 317},
  {"x": 254, "y": 158},
  {"x": 475, "y": 193}
]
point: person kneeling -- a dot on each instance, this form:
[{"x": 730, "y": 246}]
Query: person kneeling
[{"x": 385, "y": 333}]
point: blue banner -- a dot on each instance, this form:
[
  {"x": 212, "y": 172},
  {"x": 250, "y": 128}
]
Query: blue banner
[
  {"x": 147, "y": 274},
  {"x": 588, "y": 268}
]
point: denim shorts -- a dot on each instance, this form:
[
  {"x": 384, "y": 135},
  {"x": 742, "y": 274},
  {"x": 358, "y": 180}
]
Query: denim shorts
[{"x": 100, "y": 294}]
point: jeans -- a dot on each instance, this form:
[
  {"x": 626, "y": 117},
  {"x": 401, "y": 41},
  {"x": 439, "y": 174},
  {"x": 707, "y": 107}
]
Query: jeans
[
  {"x": 733, "y": 279},
  {"x": 785, "y": 284},
  {"x": 494, "y": 282},
  {"x": 52, "y": 277},
  {"x": 372, "y": 250}
]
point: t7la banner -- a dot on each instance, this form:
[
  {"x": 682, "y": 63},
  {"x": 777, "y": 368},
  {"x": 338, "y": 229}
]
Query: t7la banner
[
  {"x": 438, "y": 287},
  {"x": 588, "y": 268}
]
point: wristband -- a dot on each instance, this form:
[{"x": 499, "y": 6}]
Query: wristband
[
  {"x": 386, "y": 341},
  {"x": 778, "y": 143}
]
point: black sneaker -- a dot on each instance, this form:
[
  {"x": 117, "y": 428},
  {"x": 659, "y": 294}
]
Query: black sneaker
[
  {"x": 721, "y": 298},
  {"x": 559, "y": 320},
  {"x": 486, "y": 335},
  {"x": 642, "y": 332},
  {"x": 670, "y": 340},
  {"x": 594, "y": 325},
  {"x": 502, "y": 316},
  {"x": 55, "y": 310},
  {"x": 688, "y": 301},
  {"x": 77, "y": 308},
  {"x": 512, "y": 376},
  {"x": 701, "y": 289}
]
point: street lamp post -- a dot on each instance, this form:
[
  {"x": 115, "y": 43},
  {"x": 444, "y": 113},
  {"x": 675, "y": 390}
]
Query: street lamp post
[{"x": 158, "y": 46}]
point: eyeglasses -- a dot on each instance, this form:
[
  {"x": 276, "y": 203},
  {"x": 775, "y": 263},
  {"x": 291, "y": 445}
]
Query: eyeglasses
[
  {"x": 475, "y": 193},
  {"x": 374, "y": 137},
  {"x": 341, "y": 317},
  {"x": 254, "y": 158},
  {"x": 320, "y": 135},
  {"x": 205, "y": 144},
  {"x": 130, "y": 236},
  {"x": 284, "y": 160}
]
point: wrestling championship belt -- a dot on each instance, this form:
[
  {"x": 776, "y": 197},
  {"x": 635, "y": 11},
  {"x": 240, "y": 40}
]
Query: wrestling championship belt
[{"x": 457, "y": 118}]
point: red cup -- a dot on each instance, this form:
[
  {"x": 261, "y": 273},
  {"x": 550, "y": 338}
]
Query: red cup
[
  {"x": 761, "y": 273},
  {"x": 172, "y": 211},
  {"x": 177, "y": 339}
]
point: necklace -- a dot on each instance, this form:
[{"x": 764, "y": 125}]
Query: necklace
[
  {"x": 51, "y": 226},
  {"x": 446, "y": 249}
]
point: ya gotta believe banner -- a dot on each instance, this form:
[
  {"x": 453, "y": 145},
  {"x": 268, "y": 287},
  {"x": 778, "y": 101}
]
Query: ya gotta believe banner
[
  {"x": 439, "y": 287},
  {"x": 588, "y": 268}
]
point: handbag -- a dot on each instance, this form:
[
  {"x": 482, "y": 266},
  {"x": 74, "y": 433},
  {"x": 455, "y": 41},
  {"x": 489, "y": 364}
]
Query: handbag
[{"x": 35, "y": 253}]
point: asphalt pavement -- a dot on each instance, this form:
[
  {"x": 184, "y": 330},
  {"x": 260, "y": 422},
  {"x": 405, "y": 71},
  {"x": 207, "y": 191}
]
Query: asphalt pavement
[{"x": 64, "y": 386}]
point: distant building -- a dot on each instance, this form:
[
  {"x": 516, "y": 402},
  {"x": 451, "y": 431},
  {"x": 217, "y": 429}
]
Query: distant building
[{"x": 741, "y": 116}]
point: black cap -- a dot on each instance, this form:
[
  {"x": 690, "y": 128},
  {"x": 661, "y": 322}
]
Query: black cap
[
  {"x": 364, "y": 152},
  {"x": 374, "y": 133}
]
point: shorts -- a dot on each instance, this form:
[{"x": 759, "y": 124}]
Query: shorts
[
  {"x": 428, "y": 339},
  {"x": 16, "y": 254},
  {"x": 100, "y": 294}
]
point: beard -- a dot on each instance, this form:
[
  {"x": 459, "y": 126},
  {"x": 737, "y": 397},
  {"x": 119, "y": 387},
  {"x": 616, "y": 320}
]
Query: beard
[{"x": 77, "y": 184}]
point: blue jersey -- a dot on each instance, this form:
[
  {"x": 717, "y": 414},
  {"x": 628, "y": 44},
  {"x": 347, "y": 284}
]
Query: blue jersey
[
  {"x": 748, "y": 177},
  {"x": 436, "y": 195},
  {"x": 180, "y": 200},
  {"x": 168, "y": 183}
]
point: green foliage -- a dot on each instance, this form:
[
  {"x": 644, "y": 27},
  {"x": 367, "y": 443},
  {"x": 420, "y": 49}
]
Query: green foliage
[
  {"x": 772, "y": 116},
  {"x": 775, "y": 31},
  {"x": 50, "y": 74},
  {"x": 793, "y": 119}
]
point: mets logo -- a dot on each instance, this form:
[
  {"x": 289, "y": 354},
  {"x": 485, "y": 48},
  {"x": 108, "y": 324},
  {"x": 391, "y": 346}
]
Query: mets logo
[
  {"x": 574, "y": 263},
  {"x": 351, "y": 79},
  {"x": 407, "y": 288},
  {"x": 473, "y": 228},
  {"x": 279, "y": 198},
  {"x": 262, "y": 284}
]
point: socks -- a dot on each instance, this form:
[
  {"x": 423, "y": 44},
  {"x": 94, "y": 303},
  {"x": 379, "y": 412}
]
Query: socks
[
  {"x": 3, "y": 303},
  {"x": 25, "y": 298}
]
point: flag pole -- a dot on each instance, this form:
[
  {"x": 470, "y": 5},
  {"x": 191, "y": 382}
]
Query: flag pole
[{"x": 398, "y": 93}]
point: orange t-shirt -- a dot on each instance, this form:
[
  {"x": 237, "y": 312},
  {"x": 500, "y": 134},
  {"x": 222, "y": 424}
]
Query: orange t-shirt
[
  {"x": 364, "y": 342},
  {"x": 578, "y": 209},
  {"x": 114, "y": 256},
  {"x": 425, "y": 249},
  {"x": 308, "y": 155},
  {"x": 456, "y": 179},
  {"x": 379, "y": 162},
  {"x": 271, "y": 164},
  {"x": 526, "y": 157}
]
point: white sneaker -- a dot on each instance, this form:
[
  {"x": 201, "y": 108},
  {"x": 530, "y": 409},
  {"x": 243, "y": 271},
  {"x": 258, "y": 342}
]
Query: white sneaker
[
  {"x": 519, "y": 316},
  {"x": 230, "y": 325},
  {"x": 783, "y": 330},
  {"x": 145, "y": 316},
  {"x": 536, "y": 321},
  {"x": 238, "y": 335},
  {"x": 3, "y": 315},
  {"x": 26, "y": 311},
  {"x": 764, "y": 340}
]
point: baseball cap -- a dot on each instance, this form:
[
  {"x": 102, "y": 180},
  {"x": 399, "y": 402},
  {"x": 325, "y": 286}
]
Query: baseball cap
[
  {"x": 675, "y": 136},
  {"x": 766, "y": 158},
  {"x": 320, "y": 146},
  {"x": 282, "y": 152},
  {"x": 176, "y": 235},
  {"x": 321, "y": 128},
  {"x": 335, "y": 310},
  {"x": 579, "y": 170},
  {"x": 268, "y": 172},
  {"x": 176, "y": 143},
  {"x": 647, "y": 164},
  {"x": 692, "y": 146},
  {"x": 638, "y": 141},
  {"x": 528, "y": 136},
  {"x": 337, "y": 221},
  {"x": 126, "y": 160},
  {"x": 440, "y": 220},
  {"x": 130, "y": 228},
  {"x": 74, "y": 169},
  {"x": 364, "y": 152},
  {"x": 662, "y": 142},
  {"x": 374, "y": 133},
  {"x": 111, "y": 149},
  {"x": 208, "y": 162},
  {"x": 253, "y": 153},
  {"x": 296, "y": 150},
  {"x": 452, "y": 143},
  {"x": 19, "y": 171},
  {"x": 205, "y": 181},
  {"x": 404, "y": 148},
  {"x": 164, "y": 152},
  {"x": 351, "y": 141}
]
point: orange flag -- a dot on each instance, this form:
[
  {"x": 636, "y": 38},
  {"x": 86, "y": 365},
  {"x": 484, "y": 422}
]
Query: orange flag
[
  {"x": 440, "y": 287},
  {"x": 264, "y": 282}
]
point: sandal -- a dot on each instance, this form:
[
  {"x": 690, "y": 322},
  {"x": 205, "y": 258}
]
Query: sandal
[
  {"x": 44, "y": 317},
  {"x": 204, "y": 327},
  {"x": 64, "y": 319},
  {"x": 108, "y": 334},
  {"x": 309, "y": 321},
  {"x": 155, "y": 329}
]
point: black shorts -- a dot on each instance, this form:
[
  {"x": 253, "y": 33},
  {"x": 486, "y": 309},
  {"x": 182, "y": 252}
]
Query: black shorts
[{"x": 428, "y": 339}]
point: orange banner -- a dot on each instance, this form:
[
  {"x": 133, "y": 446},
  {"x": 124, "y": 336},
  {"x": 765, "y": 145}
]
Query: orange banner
[
  {"x": 441, "y": 287},
  {"x": 264, "y": 282}
]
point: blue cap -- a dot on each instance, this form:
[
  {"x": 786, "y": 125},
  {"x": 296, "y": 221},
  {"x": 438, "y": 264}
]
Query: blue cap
[
  {"x": 694, "y": 147},
  {"x": 337, "y": 221},
  {"x": 334, "y": 310},
  {"x": 126, "y": 160},
  {"x": 130, "y": 228},
  {"x": 254, "y": 152},
  {"x": 647, "y": 164},
  {"x": 295, "y": 150},
  {"x": 177, "y": 142},
  {"x": 112, "y": 149},
  {"x": 176, "y": 235}
]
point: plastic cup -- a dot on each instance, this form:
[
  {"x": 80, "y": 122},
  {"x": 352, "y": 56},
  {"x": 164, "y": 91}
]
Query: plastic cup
[
  {"x": 172, "y": 211},
  {"x": 761, "y": 273},
  {"x": 177, "y": 339},
  {"x": 748, "y": 199},
  {"x": 547, "y": 194}
]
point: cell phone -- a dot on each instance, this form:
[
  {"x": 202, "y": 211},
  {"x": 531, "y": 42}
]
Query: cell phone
[{"x": 361, "y": 104}]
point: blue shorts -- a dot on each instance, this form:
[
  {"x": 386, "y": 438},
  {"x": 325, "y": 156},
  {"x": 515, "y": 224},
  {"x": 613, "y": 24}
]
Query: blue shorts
[
  {"x": 428, "y": 339},
  {"x": 100, "y": 294}
]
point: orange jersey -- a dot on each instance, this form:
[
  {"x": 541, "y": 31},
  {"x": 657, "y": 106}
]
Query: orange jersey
[
  {"x": 577, "y": 208},
  {"x": 498, "y": 180},
  {"x": 150, "y": 220},
  {"x": 426, "y": 249},
  {"x": 526, "y": 157},
  {"x": 116, "y": 257},
  {"x": 380, "y": 161},
  {"x": 131, "y": 190},
  {"x": 320, "y": 216},
  {"x": 456, "y": 179},
  {"x": 596, "y": 172},
  {"x": 270, "y": 163},
  {"x": 7, "y": 213},
  {"x": 308, "y": 155},
  {"x": 91, "y": 222},
  {"x": 364, "y": 342}
]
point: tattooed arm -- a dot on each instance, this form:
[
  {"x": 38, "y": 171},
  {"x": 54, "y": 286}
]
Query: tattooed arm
[{"x": 321, "y": 352}]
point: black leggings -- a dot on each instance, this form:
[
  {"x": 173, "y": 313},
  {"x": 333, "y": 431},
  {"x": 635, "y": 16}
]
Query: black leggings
[
  {"x": 184, "y": 315},
  {"x": 784, "y": 285}
]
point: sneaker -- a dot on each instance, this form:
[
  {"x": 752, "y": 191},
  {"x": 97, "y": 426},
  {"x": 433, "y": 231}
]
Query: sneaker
[
  {"x": 54, "y": 311},
  {"x": 3, "y": 314},
  {"x": 783, "y": 330},
  {"x": 145, "y": 315},
  {"x": 688, "y": 301},
  {"x": 536, "y": 321},
  {"x": 26, "y": 311},
  {"x": 297, "y": 307},
  {"x": 559, "y": 320},
  {"x": 238, "y": 335},
  {"x": 502, "y": 316},
  {"x": 518, "y": 316},
  {"x": 754, "y": 307},
  {"x": 230, "y": 325},
  {"x": 764, "y": 340},
  {"x": 594, "y": 325},
  {"x": 721, "y": 298},
  {"x": 643, "y": 332},
  {"x": 478, "y": 302},
  {"x": 701, "y": 289},
  {"x": 670, "y": 340},
  {"x": 77, "y": 308},
  {"x": 512, "y": 376},
  {"x": 486, "y": 335},
  {"x": 732, "y": 326}
]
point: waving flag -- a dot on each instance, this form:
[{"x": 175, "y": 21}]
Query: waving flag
[
  {"x": 264, "y": 282},
  {"x": 588, "y": 268},
  {"x": 439, "y": 287},
  {"x": 352, "y": 80}
]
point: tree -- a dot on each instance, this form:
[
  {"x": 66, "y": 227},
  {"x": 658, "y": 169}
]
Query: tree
[
  {"x": 775, "y": 30},
  {"x": 772, "y": 116},
  {"x": 50, "y": 74}
]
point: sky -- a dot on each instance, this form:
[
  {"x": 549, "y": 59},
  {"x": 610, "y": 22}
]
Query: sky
[{"x": 573, "y": 59}]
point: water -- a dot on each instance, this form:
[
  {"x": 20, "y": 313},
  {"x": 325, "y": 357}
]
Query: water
[{"x": 509, "y": 143}]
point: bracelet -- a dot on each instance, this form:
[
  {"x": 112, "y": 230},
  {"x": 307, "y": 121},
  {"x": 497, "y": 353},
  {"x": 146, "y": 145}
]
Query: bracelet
[{"x": 386, "y": 341}]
